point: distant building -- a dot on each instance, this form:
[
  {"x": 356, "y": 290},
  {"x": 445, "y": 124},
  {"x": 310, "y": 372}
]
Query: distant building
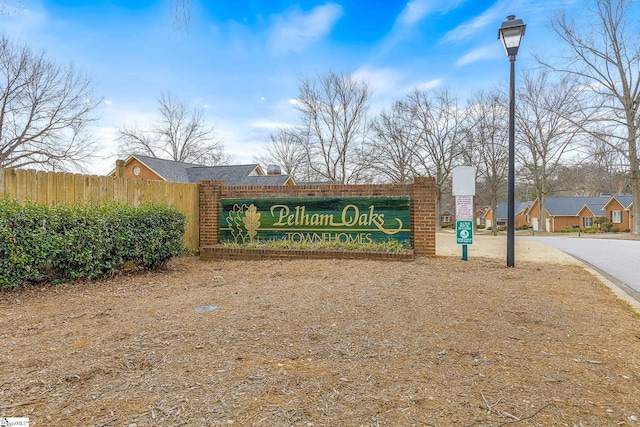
[
  {"x": 488, "y": 218},
  {"x": 447, "y": 217},
  {"x": 582, "y": 212},
  {"x": 145, "y": 167}
]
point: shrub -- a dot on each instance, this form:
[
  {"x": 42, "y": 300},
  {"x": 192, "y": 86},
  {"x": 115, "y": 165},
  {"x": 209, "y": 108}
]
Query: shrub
[
  {"x": 25, "y": 243},
  {"x": 158, "y": 235},
  {"x": 69, "y": 242},
  {"x": 606, "y": 226},
  {"x": 569, "y": 230}
]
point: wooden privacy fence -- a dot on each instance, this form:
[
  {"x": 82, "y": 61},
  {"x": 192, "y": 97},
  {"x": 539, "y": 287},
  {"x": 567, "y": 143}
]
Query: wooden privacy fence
[{"x": 55, "y": 188}]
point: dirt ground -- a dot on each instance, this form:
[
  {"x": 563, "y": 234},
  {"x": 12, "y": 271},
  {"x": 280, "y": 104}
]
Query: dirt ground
[{"x": 435, "y": 342}]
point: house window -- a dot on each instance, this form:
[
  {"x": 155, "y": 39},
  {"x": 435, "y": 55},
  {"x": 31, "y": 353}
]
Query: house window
[
  {"x": 587, "y": 221},
  {"x": 445, "y": 218},
  {"x": 136, "y": 170},
  {"x": 616, "y": 217}
]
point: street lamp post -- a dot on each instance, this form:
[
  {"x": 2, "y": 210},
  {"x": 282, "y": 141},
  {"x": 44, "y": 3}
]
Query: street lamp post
[{"x": 510, "y": 34}]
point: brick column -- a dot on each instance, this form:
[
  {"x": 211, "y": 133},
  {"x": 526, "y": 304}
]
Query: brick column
[
  {"x": 119, "y": 168},
  {"x": 210, "y": 212},
  {"x": 423, "y": 217}
]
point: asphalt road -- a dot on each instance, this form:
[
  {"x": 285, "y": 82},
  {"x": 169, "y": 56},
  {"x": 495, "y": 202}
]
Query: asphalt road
[{"x": 619, "y": 260}]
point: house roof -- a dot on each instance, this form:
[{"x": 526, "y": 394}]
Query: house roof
[
  {"x": 571, "y": 206},
  {"x": 264, "y": 180},
  {"x": 626, "y": 200},
  {"x": 596, "y": 207},
  {"x": 501, "y": 212},
  {"x": 231, "y": 174},
  {"x": 171, "y": 170}
]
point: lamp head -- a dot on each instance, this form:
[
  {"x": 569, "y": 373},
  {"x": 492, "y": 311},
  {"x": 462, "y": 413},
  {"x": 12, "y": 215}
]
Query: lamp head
[{"x": 510, "y": 34}]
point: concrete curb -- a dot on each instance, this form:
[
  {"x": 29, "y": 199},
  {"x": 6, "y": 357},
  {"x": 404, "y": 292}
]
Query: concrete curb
[{"x": 615, "y": 288}]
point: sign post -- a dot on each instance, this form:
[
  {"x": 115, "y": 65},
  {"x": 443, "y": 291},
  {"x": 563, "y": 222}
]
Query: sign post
[{"x": 464, "y": 188}]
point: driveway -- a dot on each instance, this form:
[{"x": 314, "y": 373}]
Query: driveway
[{"x": 616, "y": 259}]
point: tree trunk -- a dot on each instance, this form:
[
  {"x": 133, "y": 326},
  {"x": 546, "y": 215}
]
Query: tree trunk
[
  {"x": 542, "y": 204},
  {"x": 494, "y": 209},
  {"x": 438, "y": 208},
  {"x": 635, "y": 188}
]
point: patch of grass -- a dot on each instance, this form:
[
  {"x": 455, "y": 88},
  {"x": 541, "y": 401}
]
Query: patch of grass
[{"x": 628, "y": 307}]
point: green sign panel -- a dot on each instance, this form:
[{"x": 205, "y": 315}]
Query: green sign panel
[
  {"x": 464, "y": 232},
  {"x": 355, "y": 220}
]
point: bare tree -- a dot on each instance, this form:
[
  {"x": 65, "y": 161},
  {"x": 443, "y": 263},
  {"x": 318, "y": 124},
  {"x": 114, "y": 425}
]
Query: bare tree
[
  {"x": 437, "y": 135},
  {"x": 9, "y": 7},
  {"x": 334, "y": 127},
  {"x": 285, "y": 150},
  {"x": 181, "y": 14},
  {"x": 180, "y": 11},
  {"x": 180, "y": 134},
  {"x": 487, "y": 145},
  {"x": 392, "y": 146},
  {"x": 604, "y": 53},
  {"x": 600, "y": 170},
  {"x": 609, "y": 168},
  {"x": 549, "y": 118},
  {"x": 45, "y": 110}
]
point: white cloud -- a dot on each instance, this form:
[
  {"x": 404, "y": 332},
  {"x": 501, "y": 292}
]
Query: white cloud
[
  {"x": 413, "y": 13},
  {"x": 295, "y": 30},
  {"x": 107, "y": 153},
  {"x": 379, "y": 80},
  {"x": 487, "y": 51},
  {"x": 22, "y": 21},
  {"x": 108, "y": 102},
  {"x": 267, "y": 124},
  {"x": 471, "y": 28},
  {"x": 431, "y": 84},
  {"x": 494, "y": 15}
]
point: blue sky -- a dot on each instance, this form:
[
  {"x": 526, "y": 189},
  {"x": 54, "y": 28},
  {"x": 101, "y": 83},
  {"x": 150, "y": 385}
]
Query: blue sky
[{"x": 241, "y": 60}]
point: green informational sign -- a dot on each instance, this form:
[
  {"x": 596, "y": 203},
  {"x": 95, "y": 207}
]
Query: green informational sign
[
  {"x": 353, "y": 220},
  {"x": 464, "y": 232}
]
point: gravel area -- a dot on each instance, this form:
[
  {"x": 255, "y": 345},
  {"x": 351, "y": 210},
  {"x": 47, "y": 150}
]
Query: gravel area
[{"x": 434, "y": 342}]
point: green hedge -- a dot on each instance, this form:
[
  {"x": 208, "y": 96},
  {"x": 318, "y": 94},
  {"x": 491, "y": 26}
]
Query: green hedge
[{"x": 40, "y": 242}]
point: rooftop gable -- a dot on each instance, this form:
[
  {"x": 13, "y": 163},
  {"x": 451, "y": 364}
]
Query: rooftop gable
[
  {"x": 626, "y": 200},
  {"x": 175, "y": 171},
  {"x": 170, "y": 170}
]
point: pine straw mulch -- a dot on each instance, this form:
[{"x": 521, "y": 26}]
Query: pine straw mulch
[{"x": 435, "y": 342}]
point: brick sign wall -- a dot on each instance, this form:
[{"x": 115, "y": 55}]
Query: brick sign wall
[
  {"x": 354, "y": 220},
  {"x": 412, "y": 204}
]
